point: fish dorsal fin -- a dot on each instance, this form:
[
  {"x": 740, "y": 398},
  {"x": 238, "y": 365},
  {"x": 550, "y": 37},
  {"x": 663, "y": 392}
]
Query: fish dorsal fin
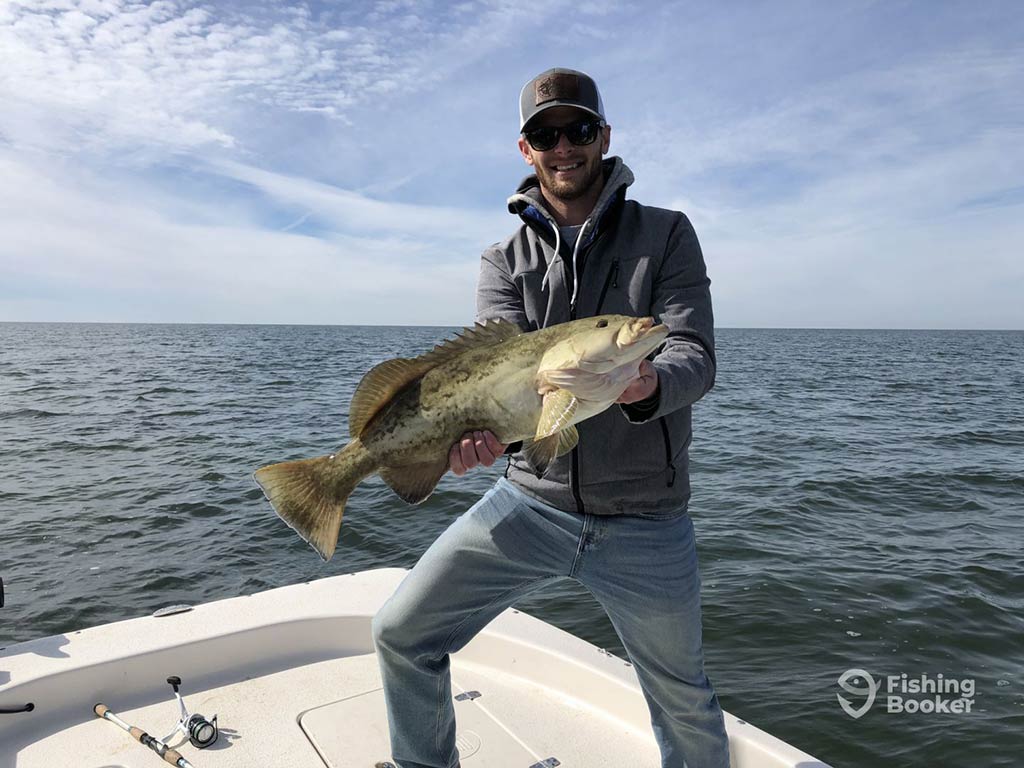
[
  {"x": 378, "y": 386},
  {"x": 384, "y": 381},
  {"x": 484, "y": 334}
]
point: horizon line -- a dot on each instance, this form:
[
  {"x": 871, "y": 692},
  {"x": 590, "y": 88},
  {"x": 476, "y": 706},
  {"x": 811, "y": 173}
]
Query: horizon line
[{"x": 430, "y": 325}]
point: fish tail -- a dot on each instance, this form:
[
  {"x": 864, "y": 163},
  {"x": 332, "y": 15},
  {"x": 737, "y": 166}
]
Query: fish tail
[{"x": 310, "y": 494}]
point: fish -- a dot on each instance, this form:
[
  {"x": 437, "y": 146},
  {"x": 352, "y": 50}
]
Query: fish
[{"x": 406, "y": 413}]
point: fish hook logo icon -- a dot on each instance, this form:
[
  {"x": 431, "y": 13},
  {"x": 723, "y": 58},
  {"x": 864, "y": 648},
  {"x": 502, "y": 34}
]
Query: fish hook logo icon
[{"x": 848, "y": 682}]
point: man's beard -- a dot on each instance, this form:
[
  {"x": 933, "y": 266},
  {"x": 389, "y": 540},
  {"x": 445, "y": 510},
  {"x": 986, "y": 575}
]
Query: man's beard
[{"x": 571, "y": 189}]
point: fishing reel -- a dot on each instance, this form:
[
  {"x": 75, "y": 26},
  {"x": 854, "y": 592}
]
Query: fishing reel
[{"x": 200, "y": 731}]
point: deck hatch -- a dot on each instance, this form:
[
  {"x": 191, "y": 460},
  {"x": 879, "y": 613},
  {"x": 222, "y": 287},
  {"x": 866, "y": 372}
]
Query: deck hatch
[{"x": 353, "y": 733}]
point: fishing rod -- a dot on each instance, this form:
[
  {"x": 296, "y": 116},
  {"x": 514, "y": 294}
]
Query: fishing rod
[{"x": 171, "y": 756}]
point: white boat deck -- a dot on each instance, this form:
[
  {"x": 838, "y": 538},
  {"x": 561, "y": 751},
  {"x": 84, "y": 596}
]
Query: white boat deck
[{"x": 292, "y": 676}]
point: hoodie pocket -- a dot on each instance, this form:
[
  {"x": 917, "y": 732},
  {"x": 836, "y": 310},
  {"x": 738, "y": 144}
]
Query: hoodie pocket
[
  {"x": 615, "y": 450},
  {"x": 626, "y": 287},
  {"x": 669, "y": 456}
]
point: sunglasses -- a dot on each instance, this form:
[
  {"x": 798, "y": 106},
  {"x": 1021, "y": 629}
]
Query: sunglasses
[{"x": 580, "y": 133}]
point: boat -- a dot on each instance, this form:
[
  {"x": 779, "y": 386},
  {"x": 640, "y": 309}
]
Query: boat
[{"x": 291, "y": 675}]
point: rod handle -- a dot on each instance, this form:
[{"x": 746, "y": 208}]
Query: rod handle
[{"x": 173, "y": 757}]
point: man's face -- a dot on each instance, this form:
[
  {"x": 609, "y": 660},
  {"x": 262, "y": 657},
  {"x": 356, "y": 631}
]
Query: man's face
[{"x": 566, "y": 171}]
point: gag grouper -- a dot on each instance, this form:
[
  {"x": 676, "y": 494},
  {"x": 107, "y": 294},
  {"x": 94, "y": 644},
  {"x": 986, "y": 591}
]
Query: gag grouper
[{"x": 407, "y": 413}]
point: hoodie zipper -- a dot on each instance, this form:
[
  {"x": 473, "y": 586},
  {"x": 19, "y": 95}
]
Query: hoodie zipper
[{"x": 574, "y": 479}]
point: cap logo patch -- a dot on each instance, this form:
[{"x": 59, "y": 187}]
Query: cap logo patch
[{"x": 557, "y": 86}]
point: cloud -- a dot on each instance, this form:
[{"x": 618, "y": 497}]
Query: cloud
[
  {"x": 325, "y": 162},
  {"x": 869, "y": 118},
  {"x": 128, "y": 73},
  {"x": 124, "y": 260},
  {"x": 347, "y": 211},
  {"x": 182, "y": 74},
  {"x": 855, "y": 202},
  {"x": 136, "y": 183}
]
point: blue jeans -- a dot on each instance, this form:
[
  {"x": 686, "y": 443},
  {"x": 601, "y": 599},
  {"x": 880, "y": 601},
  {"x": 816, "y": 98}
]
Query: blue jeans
[{"x": 643, "y": 572}]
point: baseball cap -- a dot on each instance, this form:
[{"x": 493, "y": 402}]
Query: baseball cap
[{"x": 559, "y": 88}]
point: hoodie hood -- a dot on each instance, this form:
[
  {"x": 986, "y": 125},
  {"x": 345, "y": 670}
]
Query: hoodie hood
[
  {"x": 617, "y": 176},
  {"x": 528, "y": 203}
]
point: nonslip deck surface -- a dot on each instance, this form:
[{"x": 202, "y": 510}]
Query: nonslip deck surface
[{"x": 332, "y": 714}]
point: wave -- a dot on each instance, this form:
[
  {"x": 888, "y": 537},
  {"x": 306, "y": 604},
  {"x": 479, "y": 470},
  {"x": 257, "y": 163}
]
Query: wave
[{"x": 31, "y": 413}]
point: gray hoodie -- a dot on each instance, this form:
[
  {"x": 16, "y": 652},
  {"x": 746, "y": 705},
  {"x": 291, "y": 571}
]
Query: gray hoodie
[{"x": 629, "y": 259}]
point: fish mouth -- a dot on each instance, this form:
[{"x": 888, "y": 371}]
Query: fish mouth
[{"x": 640, "y": 329}]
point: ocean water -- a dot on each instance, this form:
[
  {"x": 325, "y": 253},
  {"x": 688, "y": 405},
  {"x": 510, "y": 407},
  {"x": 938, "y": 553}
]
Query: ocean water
[{"x": 858, "y": 501}]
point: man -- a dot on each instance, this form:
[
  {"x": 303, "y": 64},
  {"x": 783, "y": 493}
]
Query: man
[{"x": 612, "y": 514}]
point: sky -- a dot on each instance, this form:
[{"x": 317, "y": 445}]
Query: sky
[{"x": 845, "y": 164}]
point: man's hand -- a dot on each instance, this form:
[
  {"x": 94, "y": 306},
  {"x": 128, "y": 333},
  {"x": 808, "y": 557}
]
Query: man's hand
[
  {"x": 643, "y": 386},
  {"x": 474, "y": 448}
]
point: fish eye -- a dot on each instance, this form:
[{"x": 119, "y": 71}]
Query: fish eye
[{"x": 602, "y": 323}]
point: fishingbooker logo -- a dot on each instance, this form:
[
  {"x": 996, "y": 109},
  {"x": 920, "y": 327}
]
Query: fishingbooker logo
[
  {"x": 924, "y": 693},
  {"x": 851, "y": 682}
]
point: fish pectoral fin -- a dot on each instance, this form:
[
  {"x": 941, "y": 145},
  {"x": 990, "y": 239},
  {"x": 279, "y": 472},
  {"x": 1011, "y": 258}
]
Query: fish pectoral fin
[
  {"x": 540, "y": 453},
  {"x": 567, "y": 440},
  {"x": 559, "y": 407},
  {"x": 556, "y": 435},
  {"x": 415, "y": 482}
]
